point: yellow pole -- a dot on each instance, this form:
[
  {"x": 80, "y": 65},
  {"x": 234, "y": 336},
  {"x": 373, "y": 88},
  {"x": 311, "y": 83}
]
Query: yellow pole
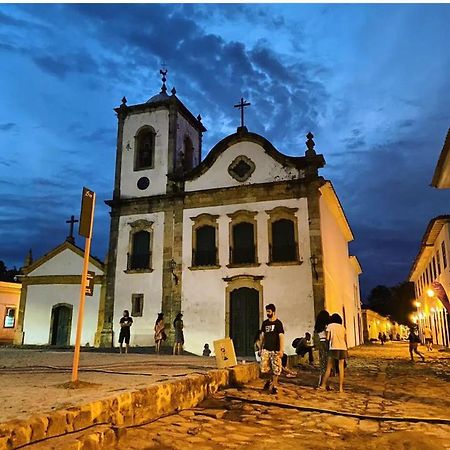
[{"x": 87, "y": 251}]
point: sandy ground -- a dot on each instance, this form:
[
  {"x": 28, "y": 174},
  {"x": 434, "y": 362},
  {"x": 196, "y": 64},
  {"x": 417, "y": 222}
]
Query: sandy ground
[{"x": 30, "y": 380}]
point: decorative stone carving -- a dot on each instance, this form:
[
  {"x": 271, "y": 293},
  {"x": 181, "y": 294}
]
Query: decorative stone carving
[
  {"x": 241, "y": 168},
  {"x": 140, "y": 224}
]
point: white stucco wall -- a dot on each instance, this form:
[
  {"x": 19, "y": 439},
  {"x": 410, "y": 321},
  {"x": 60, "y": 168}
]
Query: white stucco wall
[
  {"x": 267, "y": 169},
  {"x": 38, "y": 312},
  {"x": 149, "y": 284},
  {"x": 288, "y": 287},
  {"x": 65, "y": 263},
  {"x": 159, "y": 120},
  {"x": 339, "y": 274}
]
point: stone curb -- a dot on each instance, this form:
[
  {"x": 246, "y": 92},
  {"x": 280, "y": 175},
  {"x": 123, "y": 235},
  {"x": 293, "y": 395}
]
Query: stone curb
[{"x": 128, "y": 408}]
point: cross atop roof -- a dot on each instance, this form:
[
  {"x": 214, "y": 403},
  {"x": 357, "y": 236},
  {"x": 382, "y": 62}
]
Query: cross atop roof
[
  {"x": 241, "y": 105},
  {"x": 72, "y": 221}
]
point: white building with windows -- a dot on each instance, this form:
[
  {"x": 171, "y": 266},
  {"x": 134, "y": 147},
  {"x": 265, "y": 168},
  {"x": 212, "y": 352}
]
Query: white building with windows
[
  {"x": 216, "y": 239},
  {"x": 220, "y": 238},
  {"x": 432, "y": 264}
]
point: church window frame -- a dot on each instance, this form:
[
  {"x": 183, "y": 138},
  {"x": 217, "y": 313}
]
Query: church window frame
[
  {"x": 9, "y": 319},
  {"x": 277, "y": 214},
  {"x": 139, "y": 226},
  {"x": 200, "y": 221},
  {"x": 237, "y": 218},
  {"x": 137, "y": 305},
  {"x": 187, "y": 157},
  {"x": 143, "y": 133}
]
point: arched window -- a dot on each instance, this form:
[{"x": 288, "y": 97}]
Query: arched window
[
  {"x": 140, "y": 256},
  {"x": 243, "y": 250},
  {"x": 188, "y": 154},
  {"x": 144, "y": 149},
  {"x": 284, "y": 247},
  {"x": 205, "y": 249}
]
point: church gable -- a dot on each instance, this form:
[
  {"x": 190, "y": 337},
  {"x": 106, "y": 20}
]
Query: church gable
[
  {"x": 66, "y": 259},
  {"x": 247, "y": 159}
]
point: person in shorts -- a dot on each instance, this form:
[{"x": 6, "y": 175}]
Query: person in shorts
[
  {"x": 428, "y": 338},
  {"x": 272, "y": 345},
  {"x": 337, "y": 338},
  {"x": 125, "y": 323}
]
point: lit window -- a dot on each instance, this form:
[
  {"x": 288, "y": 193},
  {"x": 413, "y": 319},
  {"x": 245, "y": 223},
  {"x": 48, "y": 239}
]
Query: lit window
[{"x": 10, "y": 318}]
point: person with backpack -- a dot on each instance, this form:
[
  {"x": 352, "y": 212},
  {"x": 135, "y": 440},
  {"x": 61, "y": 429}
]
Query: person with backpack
[{"x": 414, "y": 341}]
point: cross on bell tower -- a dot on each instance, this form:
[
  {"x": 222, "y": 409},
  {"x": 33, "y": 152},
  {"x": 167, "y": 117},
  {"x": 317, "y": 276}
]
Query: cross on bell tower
[
  {"x": 241, "y": 105},
  {"x": 72, "y": 221}
]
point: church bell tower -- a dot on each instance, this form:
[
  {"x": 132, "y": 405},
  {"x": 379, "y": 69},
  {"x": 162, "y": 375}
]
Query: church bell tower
[{"x": 157, "y": 141}]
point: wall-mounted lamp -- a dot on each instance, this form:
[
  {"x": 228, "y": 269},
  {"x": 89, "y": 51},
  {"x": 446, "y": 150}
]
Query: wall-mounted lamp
[
  {"x": 314, "y": 260},
  {"x": 173, "y": 266}
]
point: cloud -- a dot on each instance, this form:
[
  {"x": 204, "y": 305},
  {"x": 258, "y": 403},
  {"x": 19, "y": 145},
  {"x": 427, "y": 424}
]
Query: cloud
[{"x": 8, "y": 126}]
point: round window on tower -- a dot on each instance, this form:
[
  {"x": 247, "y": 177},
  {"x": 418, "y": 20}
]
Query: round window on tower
[{"x": 143, "y": 183}]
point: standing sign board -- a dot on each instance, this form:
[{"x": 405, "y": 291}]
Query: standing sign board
[
  {"x": 90, "y": 283},
  {"x": 87, "y": 208},
  {"x": 87, "y": 278},
  {"x": 225, "y": 354}
]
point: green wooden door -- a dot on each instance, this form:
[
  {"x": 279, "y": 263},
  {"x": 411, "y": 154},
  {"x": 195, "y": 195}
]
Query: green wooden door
[
  {"x": 62, "y": 321},
  {"x": 244, "y": 319}
]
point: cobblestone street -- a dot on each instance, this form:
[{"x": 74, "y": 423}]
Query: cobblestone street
[
  {"x": 389, "y": 402},
  {"x": 380, "y": 382}
]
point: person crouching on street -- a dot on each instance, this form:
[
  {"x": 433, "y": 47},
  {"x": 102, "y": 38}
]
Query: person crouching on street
[{"x": 272, "y": 347}]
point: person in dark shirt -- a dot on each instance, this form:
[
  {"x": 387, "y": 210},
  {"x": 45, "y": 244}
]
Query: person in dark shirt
[
  {"x": 414, "y": 341},
  {"x": 125, "y": 323},
  {"x": 272, "y": 348},
  {"x": 304, "y": 346}
]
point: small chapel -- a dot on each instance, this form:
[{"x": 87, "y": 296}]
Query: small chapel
[{"x": 217, "y": 239}]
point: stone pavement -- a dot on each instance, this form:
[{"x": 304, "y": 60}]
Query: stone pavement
[
  {"x": 380, "y": 381},
  {"x": 32, "y": 381}
]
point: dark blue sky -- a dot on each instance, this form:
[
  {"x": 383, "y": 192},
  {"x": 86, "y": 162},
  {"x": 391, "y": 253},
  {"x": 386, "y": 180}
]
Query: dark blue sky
[{"x": 370, "y": 81}]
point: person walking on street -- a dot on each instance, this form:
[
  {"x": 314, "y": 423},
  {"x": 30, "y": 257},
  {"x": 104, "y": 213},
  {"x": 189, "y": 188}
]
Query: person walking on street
[
  {"x": 428, "y": 338},
  {"x": 160, "y": 334},
  {"x": 414, "y": 341},
  {"x": 337, "y": 337},
  {"x": 322, "y": 320},
  {"x": 272, "y": 346},
  {"x": 125, "y": 323},
  {"x": 179, "y": 335}
]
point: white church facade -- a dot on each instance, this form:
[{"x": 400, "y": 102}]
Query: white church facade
[
  {"x": 220, "y": 238},
  {"x": 216, "y": 239}
]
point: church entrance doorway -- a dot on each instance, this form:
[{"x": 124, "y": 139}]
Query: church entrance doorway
[
  {"x": 244, "y": 319},
  {"x": 61, "y": 325}
]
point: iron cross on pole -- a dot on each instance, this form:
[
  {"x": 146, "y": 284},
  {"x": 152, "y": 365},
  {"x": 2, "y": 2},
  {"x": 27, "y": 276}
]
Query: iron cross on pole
[
  {"x": 241, "y": 106},
  {"x": 72, "y": 221}
]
